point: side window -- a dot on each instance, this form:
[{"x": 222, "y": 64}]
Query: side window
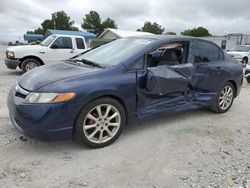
[
  {"x": 170, "y": 54},
  {"x": 206, "y": 52},
  {"x": 137, "y": 65},
  {"x": 63, "y": 43},
  {"x": 80, "y": 43}
]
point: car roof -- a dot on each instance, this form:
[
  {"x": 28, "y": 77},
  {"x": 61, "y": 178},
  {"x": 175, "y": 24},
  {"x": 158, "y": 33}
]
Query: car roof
[
  {"x": 65, "y": 35},
  {"x": 164, "y": 37},
  {"x": 244, "y": 45}
]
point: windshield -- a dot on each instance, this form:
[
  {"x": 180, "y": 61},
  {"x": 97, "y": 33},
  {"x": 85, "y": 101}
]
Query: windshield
[
  {"x": 48, "y": 40},
  {"x": 241, "y": 49},
  {"x": 116, "y": 51}
]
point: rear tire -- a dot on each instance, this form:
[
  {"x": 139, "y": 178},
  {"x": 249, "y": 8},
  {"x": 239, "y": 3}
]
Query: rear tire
[
  {"x": 100, "y": 123},
  {"x": 224, "y": 99},
  {"x": 29, "y": 64}
]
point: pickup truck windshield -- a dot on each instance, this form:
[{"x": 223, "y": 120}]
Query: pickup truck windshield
[
  {"x": 240, "y": 49},
  {"x": 116, "y": 51},
  {"x": 48, "y": 40}
]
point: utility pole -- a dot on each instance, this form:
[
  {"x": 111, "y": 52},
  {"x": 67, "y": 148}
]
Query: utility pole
[{"x": 54, "y": 16}]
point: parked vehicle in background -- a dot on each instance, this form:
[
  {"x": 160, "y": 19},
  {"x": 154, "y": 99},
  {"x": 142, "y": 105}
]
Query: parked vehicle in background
[
  {"x": 95, "y": 94},
  {"x": 247, "y": 73},
  {"x": 241, "y": 53},
  {"x": 54, "y": 48}
]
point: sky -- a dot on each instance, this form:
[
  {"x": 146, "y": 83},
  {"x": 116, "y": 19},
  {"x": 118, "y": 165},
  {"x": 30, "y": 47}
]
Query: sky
[{"x": 219, "y": 16}]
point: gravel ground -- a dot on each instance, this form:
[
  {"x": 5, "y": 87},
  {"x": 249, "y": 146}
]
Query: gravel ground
[{"x": 191, "y": 149}]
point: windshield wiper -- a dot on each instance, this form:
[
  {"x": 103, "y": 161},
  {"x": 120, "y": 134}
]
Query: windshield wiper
[{"x": 88, "y": 62}]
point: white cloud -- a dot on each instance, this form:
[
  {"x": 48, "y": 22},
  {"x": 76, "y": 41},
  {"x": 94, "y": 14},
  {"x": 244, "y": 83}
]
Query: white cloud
[{"x": 218, "y": 16}]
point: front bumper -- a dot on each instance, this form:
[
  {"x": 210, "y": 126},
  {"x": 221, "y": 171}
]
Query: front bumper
[
  {"x": 247, "y": 72},
  {"x": 12, "y": 63},
  {"x": 45, "y": 122},
  {"x": 239, "y": 59}
]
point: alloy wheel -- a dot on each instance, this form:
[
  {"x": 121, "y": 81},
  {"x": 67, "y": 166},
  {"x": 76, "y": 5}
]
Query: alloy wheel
[
  {"x": 226, "y": 97},
  {"x": 101, "y": 123},
  {"x": 30, "y": 66}
]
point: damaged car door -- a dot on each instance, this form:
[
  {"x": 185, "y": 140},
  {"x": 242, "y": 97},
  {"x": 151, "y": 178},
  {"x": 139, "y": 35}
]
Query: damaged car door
[
  {"x": 209, "y": 67},
  {"x": 165, "y": 85}
]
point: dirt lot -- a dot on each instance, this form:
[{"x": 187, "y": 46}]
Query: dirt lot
[{"x": 191, "y": 149}]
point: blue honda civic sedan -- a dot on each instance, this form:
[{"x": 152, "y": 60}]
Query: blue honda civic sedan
[{"x": 95, "y": 94}]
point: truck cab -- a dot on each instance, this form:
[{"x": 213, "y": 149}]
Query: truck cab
[{"x": 54, "y": 48}]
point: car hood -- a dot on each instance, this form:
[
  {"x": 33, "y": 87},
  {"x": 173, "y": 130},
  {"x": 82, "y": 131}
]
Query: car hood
[
  {"x": 25, "y": 48},
  {"x": 47, "y": 74},
  {"x": 236, "y": 53}
]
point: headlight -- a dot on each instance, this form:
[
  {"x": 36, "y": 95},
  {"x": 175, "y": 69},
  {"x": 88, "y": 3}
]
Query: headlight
[
  {"x": 48, "y": 97},
  {"x": 248, "y": 67},
  {"x": 10, "y": 55},
  {"x": 237, "y": 56}
]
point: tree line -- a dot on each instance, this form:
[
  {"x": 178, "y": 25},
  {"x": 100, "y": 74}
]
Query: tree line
[{"x": 93, "y": 23}]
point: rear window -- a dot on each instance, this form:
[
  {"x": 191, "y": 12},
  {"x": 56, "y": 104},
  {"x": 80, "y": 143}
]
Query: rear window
[
  {"x": 206, "y": 52},
  {"x": 80, "y": 43}
]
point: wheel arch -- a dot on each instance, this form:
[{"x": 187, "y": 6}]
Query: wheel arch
[
  {"x": 245, "y": 57},
  {"x": 235, "y": 87},
  {"x": 117, "y": 98},
  {"x": 31, "y": 57}
]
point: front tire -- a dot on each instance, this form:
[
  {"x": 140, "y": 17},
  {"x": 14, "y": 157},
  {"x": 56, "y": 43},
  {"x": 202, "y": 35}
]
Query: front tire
[
  {"x": 244, "y": 62},
  {"x": 29, "y": 64},
  {"x": 224, "y": 99},
  {"x": 100, "y": 123},
  {"x": 248, "y": 79}
]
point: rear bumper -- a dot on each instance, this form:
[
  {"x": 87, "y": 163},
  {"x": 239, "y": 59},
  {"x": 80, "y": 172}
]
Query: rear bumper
[{"x": 12, "y": 63}]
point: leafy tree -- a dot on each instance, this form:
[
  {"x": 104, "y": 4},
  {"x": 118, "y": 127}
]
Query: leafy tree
[
  {"x": 170, "y": 33},
  {"x": 59, "y": 20},
  {"x": 196, "y": 32},
  {"x": 39, "y": 30},
  {"x": 93, "y": 23},
  {"x": 109, "y": 23},
  {"x": 154, "y": 28}
]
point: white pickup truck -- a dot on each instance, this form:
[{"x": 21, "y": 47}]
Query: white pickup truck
[
  {"x": 54, "y": 48},
  {"x": 241, "y": 53}
]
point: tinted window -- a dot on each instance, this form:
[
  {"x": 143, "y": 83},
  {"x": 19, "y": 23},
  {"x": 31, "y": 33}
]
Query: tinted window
[
  {"x": 241, "y": 49},
  {"x": 63, "y": 42},
  {"x": 80, "y": 43},
  {"x": 206, "y": 52},
  {"x": 48, "y": 40},
  {"x": 137, "y": 65}
]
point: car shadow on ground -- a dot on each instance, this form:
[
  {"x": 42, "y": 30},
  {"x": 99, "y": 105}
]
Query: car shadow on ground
[
  {"x": 129, "y": 132},
  {"x": 166, "y": 120},
  {"x": 15, "y": 73}
]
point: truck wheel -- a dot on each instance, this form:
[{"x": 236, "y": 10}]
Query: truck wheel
[
  {"x": 29, "y": 64},
  {"x": 100, "y": 123},
  {"x": 244, "y": 61},
  {"x": 248, "y": 79}
]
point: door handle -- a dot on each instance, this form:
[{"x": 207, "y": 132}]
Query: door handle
[
  {"x": 72, "y": 51},
  {"x": 219, "y": 68}
]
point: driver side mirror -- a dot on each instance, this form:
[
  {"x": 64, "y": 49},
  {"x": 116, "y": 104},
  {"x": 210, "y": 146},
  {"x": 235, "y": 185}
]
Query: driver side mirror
[{"x": 54, "y": 46}]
